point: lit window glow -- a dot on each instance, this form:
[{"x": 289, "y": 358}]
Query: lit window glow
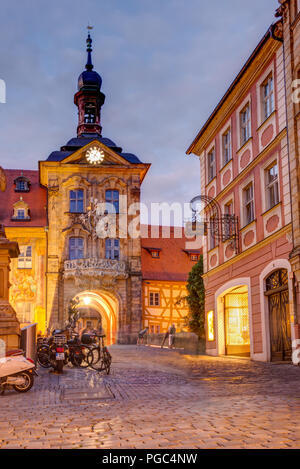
[{"x": 210, "y": 326}]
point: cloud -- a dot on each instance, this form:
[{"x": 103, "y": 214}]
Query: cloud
[{"x": 164, "y": 64}]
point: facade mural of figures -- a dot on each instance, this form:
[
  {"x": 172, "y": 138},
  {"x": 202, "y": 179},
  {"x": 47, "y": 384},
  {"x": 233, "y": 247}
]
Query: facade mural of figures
[{"x": 244, "y": 162}]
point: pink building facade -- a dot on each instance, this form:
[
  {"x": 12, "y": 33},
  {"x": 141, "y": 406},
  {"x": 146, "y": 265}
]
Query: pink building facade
[{"x": 244, "y": 167}]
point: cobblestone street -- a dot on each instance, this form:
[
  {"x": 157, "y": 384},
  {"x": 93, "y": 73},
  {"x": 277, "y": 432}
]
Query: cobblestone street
[{"x": 157, "y": 399}]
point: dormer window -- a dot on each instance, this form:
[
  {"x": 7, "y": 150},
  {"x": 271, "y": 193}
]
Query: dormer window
[
  {"x": 21, "y": 214},
  {"x": 22, "y": 184},
  {"x": 155, "y": 254},
  {"x": 194, "y": 257},
  {"x": 21, "y": 211}
]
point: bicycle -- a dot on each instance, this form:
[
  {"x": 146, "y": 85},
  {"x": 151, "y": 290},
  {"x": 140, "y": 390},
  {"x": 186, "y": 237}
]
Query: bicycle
[{"x": 100, "y": 357}]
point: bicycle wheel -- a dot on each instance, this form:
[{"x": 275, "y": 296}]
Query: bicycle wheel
[
  {"x": 43, "y": 356},
  {"x": 104, "y": 362},
  {"x": 95, "y": 353}
]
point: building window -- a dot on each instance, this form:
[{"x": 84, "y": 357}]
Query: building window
[
  {"x": 76, "y": 201},
  {"x": 21, "y": 214},
  {"x": 226, "y": 147},
  {"x": 21, "y": 210},
  {"x": 22, "y": 184},
  {"x": 211, "y": 165},
  {"x": 154, "y": 299},
  {"x": 194, "y": 257},
  {"x": 112, "y": 249},
  {"x": 25, "y": 257},
  {"x": 76, "y": 248},
  {"x": 248, "y": 204},
  {"x": 25, "y": 312},
  {"x": 112, "y": 201},
  {"x": 155, "y": 254},
  {"x": 245, "y": 125},
  {"x": 267, "y": 97},
  {"x": 89, "y": 113},
  {"x": 228, "y": 220},
  {"x": 272, "y": 191},
  {"x": 213, "y": 233}
]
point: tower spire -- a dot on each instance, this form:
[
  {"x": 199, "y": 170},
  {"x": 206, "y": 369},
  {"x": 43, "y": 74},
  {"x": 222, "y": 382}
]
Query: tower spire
[
  {"x": 89, "y": 97},
  {"x": 89, "y": 64}
]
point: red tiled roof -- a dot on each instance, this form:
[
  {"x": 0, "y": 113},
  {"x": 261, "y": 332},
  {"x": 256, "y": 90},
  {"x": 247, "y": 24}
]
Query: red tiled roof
[
  {"x": 174, "y": 263},
  {"x": 36, "y": 199}
]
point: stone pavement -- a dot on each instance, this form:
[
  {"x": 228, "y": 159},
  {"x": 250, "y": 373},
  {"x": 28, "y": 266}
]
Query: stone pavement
[{"x": 157, "y": 399}]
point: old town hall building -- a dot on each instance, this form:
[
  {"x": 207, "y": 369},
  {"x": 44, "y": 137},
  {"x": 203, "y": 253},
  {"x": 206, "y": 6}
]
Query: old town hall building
[{"x": 71, "y": 218}]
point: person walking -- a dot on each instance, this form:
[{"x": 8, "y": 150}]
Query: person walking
[
  {"x": 172, "y": 332},
  {"x": 165, "y": 338},
  {"x": 142, "y": 336}
]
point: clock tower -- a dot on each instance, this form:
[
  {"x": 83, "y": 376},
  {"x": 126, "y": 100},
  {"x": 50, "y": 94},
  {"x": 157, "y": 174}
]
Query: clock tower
[
  {"x": 93, "y": 255},
  {"x": 89, "y": 98}
]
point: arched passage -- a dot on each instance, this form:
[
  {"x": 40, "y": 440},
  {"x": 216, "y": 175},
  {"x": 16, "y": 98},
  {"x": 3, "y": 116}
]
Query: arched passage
[{"x": 100, "y": 307}]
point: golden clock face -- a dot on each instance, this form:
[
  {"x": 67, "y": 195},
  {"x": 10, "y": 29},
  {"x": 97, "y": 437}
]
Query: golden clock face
[{"x": 94, "y": 155}]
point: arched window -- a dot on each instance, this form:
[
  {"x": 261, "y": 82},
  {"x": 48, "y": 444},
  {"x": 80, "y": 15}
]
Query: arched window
[
  {"x": 76, "y": 201},
  {"x": 277, "y": 279},
  {"x": 76, "y": 248},
  {"x": 112, "y": 201},
  {"x": 112, "y": 249}
]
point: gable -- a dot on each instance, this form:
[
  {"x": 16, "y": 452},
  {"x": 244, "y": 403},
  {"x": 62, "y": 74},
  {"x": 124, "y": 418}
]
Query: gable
[{"x": 87, "y": 156}]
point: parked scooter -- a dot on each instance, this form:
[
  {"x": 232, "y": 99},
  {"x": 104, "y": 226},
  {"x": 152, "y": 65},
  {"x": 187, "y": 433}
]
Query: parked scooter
[{"x": 17, "y": 372}]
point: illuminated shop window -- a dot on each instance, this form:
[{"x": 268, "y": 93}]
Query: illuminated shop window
[
  {"x": 237, "y": 322},
  {"x": 210, "y": 326}
]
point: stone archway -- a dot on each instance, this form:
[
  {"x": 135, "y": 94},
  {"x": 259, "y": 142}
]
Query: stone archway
[{"x": 100, "y": 307}]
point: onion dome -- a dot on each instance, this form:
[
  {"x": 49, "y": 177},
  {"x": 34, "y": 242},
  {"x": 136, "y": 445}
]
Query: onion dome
[{"x": 89, "y": 79}]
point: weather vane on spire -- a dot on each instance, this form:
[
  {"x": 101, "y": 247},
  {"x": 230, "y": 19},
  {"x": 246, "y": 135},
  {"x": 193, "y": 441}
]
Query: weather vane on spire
[{"x": 89, "y": 65}]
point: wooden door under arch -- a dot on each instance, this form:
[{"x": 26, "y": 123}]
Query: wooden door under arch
[{"x": 279, "y": 316}]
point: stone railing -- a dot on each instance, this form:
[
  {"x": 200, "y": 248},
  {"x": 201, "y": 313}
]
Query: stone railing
[{"x": 95, "y": 268}]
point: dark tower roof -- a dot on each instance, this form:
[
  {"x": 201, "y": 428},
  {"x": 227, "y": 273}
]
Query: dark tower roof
[
  {"x": 89, "y": 100},
  {"x": 89, "y": 79}
]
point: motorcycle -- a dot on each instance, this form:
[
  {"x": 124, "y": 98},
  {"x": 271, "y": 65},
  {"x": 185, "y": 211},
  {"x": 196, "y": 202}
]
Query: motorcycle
[
  {"x": 17, "y": 372},
  {"x": 58, "y": 351}
]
